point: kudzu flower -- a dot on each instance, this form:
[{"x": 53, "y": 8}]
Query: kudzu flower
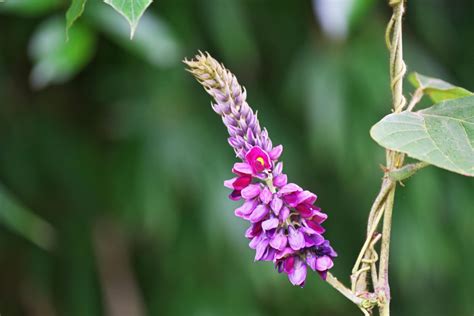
[{"x": 285, "y": 225}]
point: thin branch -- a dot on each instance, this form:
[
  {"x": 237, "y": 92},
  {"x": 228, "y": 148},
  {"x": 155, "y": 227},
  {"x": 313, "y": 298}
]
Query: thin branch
[{"x": 335, "y": 283}]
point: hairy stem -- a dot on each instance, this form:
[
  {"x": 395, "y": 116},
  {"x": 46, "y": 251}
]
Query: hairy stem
[{"x": 394, "y": 159}]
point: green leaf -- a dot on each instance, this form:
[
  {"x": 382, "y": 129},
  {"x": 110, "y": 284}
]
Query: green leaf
[
  {"x": 437, "y": 89},
  {"x": 73, "y": 13},
  {"x": 24, "y": 222},
  {"x": 56, "y": 60},
  {"x": 154, "y": 41},
  {"x": 132, "y": 10},
  {"x": 442, "y": 135}
]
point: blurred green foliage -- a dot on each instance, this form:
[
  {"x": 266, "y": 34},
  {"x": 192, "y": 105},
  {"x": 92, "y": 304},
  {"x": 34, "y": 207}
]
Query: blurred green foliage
[{"x": 119, "y": 135}]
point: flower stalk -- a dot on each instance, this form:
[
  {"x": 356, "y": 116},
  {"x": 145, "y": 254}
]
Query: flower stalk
[{"x": 285, "y": 225}]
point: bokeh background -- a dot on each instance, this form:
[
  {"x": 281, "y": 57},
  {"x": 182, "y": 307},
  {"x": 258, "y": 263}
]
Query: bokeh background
[{"x": 112, "y": 161}]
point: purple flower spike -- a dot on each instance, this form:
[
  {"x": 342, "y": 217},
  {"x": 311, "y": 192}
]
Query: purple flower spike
[{"x": 285, "y": 224}]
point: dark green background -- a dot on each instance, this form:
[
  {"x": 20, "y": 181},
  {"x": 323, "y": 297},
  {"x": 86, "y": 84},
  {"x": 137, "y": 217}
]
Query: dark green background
[{"x": 126, "y": 160}]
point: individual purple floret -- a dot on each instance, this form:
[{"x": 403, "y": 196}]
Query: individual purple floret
[{"x": 285, "y": 225}]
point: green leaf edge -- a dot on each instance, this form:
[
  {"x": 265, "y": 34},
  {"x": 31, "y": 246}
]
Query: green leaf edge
[
  {"x": 415, "y": 80},
  {"x": 133, "y": 25},
  {"x": 71, "y": 17}
]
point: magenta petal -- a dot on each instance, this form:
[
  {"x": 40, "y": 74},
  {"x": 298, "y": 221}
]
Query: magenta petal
[
  {"x": 313, "y": 240},
  {"x": 242, "y": 168},
  {"x": 269, "y": 254},
  {"x": 278, "y": 169},
  {"x": 324, "y": 263},
  {"x": 235, "y": 195},
  {"x": 242, "y": 182},
  {"x": 289, "y": 264},
  {"x": 276, "y": 204},
  {"x": 323, "y": 274},
  {"x": 258, "y": 159},
  {"x": 311, "y": 260},
  {"x": 319, "y": 217},
  {"x": 305, "y": 210},
  {"x": 266, "y": 195},
  {"x": 289, "y": 188},
  {"x": 230, "y": 183},
  {"x": 298, "y": 275},
  {"x": 279, "y": 241},
  {"x": 275, "y": 153},
  {"x": 284, "y": 213},
  {"x": 261, "y": 248},
  {"x": 253, "y": 230},
  {"x": 315, "y": 226},
  {"x": 295, "y": 238},
  {"x": 270, "y": 223},
  {"x": 250, "y": 191},
  {"x": 280, "y": 180},
  {"x": 259, "y": 213},
  {"x": 247, "y": 207},
  {"x": 283, "y": 253},
  {"x": 256, "y": 240},
  {"x": 307, "y": 197}
]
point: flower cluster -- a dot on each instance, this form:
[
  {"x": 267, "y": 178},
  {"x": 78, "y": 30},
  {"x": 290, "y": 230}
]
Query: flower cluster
[{"x": 285, "y": 225}]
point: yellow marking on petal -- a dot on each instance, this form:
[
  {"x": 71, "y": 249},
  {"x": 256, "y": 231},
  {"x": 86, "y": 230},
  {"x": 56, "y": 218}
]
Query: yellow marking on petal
[{"x": 261, "y": 161}]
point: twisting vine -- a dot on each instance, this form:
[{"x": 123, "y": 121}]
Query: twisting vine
[{"x": 383, "y": 205}]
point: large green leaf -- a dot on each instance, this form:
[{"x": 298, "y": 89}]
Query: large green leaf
[
  {"x": 442, "y": 135},
  {"x": 23, "y": 222},
  {"x": 73, "y": 13},
  {"x": 132, "y": 10},
  {"x": 437, "y": 89},
  {"x": 56, "y": 60}
]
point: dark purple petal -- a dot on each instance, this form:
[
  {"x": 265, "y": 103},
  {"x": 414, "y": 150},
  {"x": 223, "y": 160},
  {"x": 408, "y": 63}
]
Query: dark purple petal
[
  {"x": 269, "y": 254},
  {"x": 235, "y": 195},
  {"x": 313, "y": 240},
  {"x": 323, "y": 274},
  {"x": 253, "y": 230}
]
